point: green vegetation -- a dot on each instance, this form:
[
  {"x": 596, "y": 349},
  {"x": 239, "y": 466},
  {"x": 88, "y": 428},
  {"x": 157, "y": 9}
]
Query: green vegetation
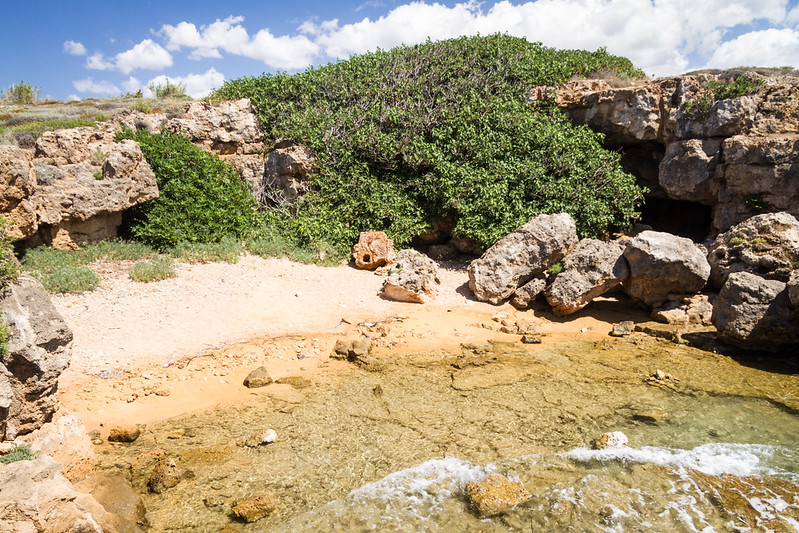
[
  {"x": 169, "y": 90},
  {"x": 202, "y": 199},
  {"x": 442, "y": 128},
  {"x": 555, "y": 269},
  {"x": 155, "y": 270},
  {"x": 5, "y": 336},
  {"x": 37, "y": 127},
  {"x": 21, "y": 93},
  {"x": 270, "y": 243},
  {"x": 227, "y": 250},
  {"x": 9, "y": 266},
  {"x": 21, "y": 452},
  {"x": 741, "y": 85}
]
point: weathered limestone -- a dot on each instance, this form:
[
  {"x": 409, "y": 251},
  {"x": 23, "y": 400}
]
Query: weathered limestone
[
  {"x": 285, "y": 175},
  {"x": 38, "y": 351},
  {"x": 766, "y": 245},
  {"x": 525, "y": 295},
  {"x": 696, "y": 309},
  {"x": 756, "y": 313},
  {"x": 663, "y": 264},
  {"x": 517, "y": 257},
  {"x": 495, "y": 495},
  {"x": 688, "y": 169},
  {"x": 373, "y": 249},
  {"x": 413, "y": 278},
  {"x": 590, "y": 270}
]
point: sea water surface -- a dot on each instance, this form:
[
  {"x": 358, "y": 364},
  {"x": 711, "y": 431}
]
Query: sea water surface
[{"x": 391, "y": 446}]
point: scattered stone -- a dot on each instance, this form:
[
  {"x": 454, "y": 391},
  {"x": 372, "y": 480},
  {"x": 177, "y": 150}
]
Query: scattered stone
[
  {"x": 517, "y": 257},
  {"x": 258, "y": 378},
  {"x": 352, "y": 349},
  {"x": 260, "y": 439},
  {"x": 590, "y": 270},
  {"x": 532, "y": 338},
  {"x": 755, "y": 313},
  {"x": 165, "y": 475},
  {"x": 374, "y": 249},
  {"x": 298, "y": 382},
  {"x": 495, "y": 495},
  {"x": 123, "y": 434},
  {"x": 613, "y": 439},
  {"x": 696, "y": 309},
  {"x": 413, "y": 277},
  {"x": 661, "y": 378},
  {"x": 255, "y": 508},
  {"x": 663, "y": 264},
  {"x": 378, "y": 390},
  {"x": 622, "y": 329}
]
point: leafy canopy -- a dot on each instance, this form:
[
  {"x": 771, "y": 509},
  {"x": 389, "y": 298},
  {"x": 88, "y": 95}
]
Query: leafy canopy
[{"x": 442, "y": 129}]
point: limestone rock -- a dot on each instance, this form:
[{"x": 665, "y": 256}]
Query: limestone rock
[
  {"x": 687, "y": 170},
  {"x": 696, "y": 309},
  {"x": 413, "y": 278},
  {"x": 525, "y": 295},
  {"x": 38, "y": 351},
  {"x": 118, "y": 498},
  {"x": 352, "y": 349},
  {"x": 373, "y": 249},
  {"x": 286, "y": 174},
  {"x": 622, "y": 329},
  {"x": 756, "y": 313},
  {"x": 495, "y": 495},
  {"x": 228, "y": 127},
  {"x": 613, "y": 439},
  {"x": 36, "y": 497},
  {"x": 766, "y": 245},
  {"x": 517, "y": 257},
  {"x": 164, "y": 476},
  {"x": 256, "y": 507},
  {"x": 590, "y": 270},
  {"x": 64, "y": 439},
  {"x": 258, "y": 378},
  {"x": 663, "y": 264},
  {"x": 123, "y": 434}
]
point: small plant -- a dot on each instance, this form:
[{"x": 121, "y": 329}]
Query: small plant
[
  {"x": 21, "y": 452},
  {"x": 70, "y": 279},
  {"x": 156, "y": 270},
  {"x": 734, "y": 241},
  {"x": 21, "y": 93},
  {"x": 555, "y": 269},
  {"x": 98, "y": 158},
  {"x": 227, "y": 249},
  {"x": 98, "y": 175},
  {"x": 9, "y": 266},
  {"x": 720, "y": 90},
  {"x": 5, "y": 336},
  {"x": 169, "y": 90},
  {"x": 756, "y": 203}
]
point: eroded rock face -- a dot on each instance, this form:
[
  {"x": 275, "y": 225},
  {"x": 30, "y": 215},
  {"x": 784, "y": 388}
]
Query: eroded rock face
[
  {"x": 756, "y": 313},
  {"x": 285, "y": 175},
  {"x": 766, "y": 245},
  {"x": 373, "y": 250},
  {"x": 226, "y": 128},
  {"x": 688, "y": 170},
  {"x": 517, "y": 257},
  {"x": 38, "y": 351},
  {"x": 413, "y": 278},
  {"x": 590, "y": 270},
  {"x": 663, "y": 264},
  {"x": 525, "y": 295}
]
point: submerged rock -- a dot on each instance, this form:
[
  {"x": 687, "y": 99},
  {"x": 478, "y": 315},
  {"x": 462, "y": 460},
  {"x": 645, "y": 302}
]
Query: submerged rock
[
  {"x": 123, "y": 434},
  {"x": 255, "y": 508},
  {"x": 518, "y": 256},
  {"x": 663, "y": 264},
  {"x": 164, "y": 476},
  {"x": 495, "y": 495},
  {"x": 613, "y": 439},
  {"x": 352, "y": 349}
]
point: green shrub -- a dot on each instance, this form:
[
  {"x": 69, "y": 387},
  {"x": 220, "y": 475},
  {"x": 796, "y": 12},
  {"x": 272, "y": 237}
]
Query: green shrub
[
  {"x": 114, "y": 250},
  {"x": 9, "y": 266},
  {"x": 5, "y": 336},
  {"x": 227, "y": 249},
  {"x": 555, "y": 269},
  {"x": 21, "y": 93},
  {"x": 169, "y": 90},
  {"x": 156, "y": 270},
  {"x": 202, "y": 199},
  {"x": 269, "y": 242},
  {"x": 442, "y": 128},
  {"x": 21, "y": 452},
  {"x": 72, "y": 279},
  {"x": 716, "y": 90}
]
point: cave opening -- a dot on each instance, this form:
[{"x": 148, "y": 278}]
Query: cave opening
[{"x": 686, "y": 219}]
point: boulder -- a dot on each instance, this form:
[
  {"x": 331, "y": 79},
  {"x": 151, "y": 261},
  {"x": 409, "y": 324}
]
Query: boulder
[
  {"x": 164, "y": 476},
  {"x": 495, "y": 495},
  {"x": 373, "y": 249},
  {"x": 38, "y": 351},
  {"x": 688, "y": 169},
  {"x": 593, "y": 268},
  {"x": 663, "y": 264},
  {"x": 525, "y": 295},
  {"x": 227, "y": 127},
  {"x": 696, "y": 309},
  {"x": 352, "y": 349},
  {"x": 766, "y": 245},
  {"x": 256, "y": 507},
  {"x": 258, "y": 378},
  {"x": 123, "y": 433},
  {"x": 413, "y": 278},
  {"x": 622, "y": 329},
  {"x": 517, "y": 257},
  {"x": 755, "y": 313},
  {"x": 36, "y": 497}
]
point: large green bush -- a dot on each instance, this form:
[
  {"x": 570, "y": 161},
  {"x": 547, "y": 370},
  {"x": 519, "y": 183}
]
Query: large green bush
[
  {"x": 201, "y": 198},
  {"x": 442, "y": 129}
]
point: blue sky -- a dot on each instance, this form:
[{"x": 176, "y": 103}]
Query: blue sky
[{"x": 91, "y": 48}]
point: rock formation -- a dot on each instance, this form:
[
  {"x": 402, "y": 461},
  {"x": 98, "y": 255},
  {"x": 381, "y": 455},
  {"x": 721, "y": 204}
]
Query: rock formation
[
  {"x": 737, "y": 156},
  {"x": 517, "y": 257},
  {"x": 38, "y": 351},
  {"x": 590, "y": 270},
  {"x": 373, "y": 250},
  {"x": 413, "y": 278}
]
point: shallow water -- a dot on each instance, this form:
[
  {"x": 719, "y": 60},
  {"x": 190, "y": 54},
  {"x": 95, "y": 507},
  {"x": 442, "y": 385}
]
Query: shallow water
[{"x": 391, "y": 446}]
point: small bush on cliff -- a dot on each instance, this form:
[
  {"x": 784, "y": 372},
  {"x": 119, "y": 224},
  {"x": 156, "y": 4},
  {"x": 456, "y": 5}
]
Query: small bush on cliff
[
  {"x": 5, "y": 336},
  {"x": 442, "y": 128},
  {"x": 169, "y": 90},
  {"x": 716, "y": 90},
  {"x": 21, "y": 452},
  {"x": 201, "y": 200},
  {"x": 9, "y": 266}
]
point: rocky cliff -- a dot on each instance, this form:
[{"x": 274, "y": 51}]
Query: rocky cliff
[{"x": 708, "y": 161}]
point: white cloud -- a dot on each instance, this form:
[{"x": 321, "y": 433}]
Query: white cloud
[
  {"x": 96, "y": 87},
  {"x": 131, "y": 85},
  {"x": 197, "y": 85},
  {"x": 766, "y": 48},
  {"x": 74, "y": 48},
  {"x": 228, "y": 35},
  {"x": 73, "y": 98},
  {"x": 793, "y": 16},
  {"x": 145, "y": 55},
  {"x": 96, "y": 61}
]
